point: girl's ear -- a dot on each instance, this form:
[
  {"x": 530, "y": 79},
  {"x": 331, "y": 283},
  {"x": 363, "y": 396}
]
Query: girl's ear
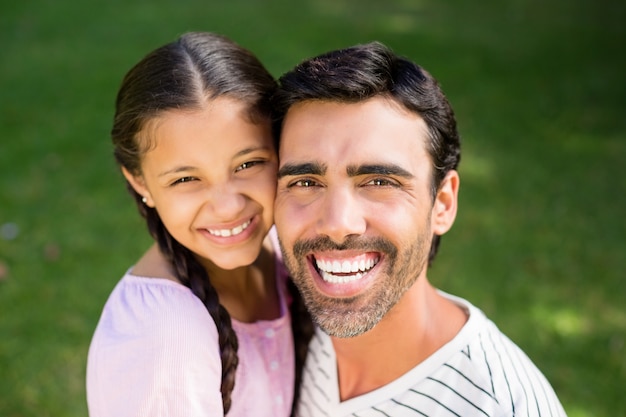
[
  {"x": 446, "y": 201},
  {"x": 139, "y": 185}
]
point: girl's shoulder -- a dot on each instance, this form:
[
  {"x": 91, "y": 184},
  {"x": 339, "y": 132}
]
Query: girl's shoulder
[
  {"x": 152, "y": 338},
  {"x": 155, "y": 308}
]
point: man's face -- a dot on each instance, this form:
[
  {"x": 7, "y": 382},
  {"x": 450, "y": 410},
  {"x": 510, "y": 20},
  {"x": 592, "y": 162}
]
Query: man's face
[{"x": 353, "y": 208}]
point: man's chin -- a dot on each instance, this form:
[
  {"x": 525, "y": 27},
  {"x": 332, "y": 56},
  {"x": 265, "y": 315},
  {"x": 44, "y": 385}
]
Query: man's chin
[
  {"x": 342, "y": 319},
  {"x": 347, "y": 328}
]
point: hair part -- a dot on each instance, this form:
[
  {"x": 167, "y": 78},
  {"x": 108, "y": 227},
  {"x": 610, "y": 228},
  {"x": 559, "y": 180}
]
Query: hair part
[
  {"x": 371, "y": 70},
  {"x": 184, "y": 75}
]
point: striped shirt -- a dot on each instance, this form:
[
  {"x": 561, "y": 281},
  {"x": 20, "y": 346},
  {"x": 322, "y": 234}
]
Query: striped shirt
[{"x": 480, "y": 372}]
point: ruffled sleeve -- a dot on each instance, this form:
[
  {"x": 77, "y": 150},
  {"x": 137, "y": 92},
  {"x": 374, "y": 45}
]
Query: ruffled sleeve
[{"x": 155, "y": 353}]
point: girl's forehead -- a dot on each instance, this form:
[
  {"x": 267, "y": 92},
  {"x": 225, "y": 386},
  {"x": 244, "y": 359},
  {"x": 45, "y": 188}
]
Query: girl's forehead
[{"x": 212, "y": 136}]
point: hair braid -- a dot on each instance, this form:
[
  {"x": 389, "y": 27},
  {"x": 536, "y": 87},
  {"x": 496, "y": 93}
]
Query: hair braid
[
  {"x": 193, "y": 275},
  {"x": 302, "y": 329},
  {"x": 186, "y": 74}
]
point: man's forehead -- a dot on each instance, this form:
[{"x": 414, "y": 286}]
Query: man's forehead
[{"x": 372, "y": 132}]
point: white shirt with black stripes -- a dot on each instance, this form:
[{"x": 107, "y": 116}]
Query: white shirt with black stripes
[{"x": 480, "y": 372}]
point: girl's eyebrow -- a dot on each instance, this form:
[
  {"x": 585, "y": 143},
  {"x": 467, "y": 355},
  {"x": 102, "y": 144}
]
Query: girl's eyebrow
[
  {"x": 252, "y": 149},
  {"x": 187, "y": 168},
  {"x": 177, "y": 170},
  {"x": 380, "y": 169}
]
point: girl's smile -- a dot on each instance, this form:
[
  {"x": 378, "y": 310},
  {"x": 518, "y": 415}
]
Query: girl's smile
[{"x": 211, "y": 176}]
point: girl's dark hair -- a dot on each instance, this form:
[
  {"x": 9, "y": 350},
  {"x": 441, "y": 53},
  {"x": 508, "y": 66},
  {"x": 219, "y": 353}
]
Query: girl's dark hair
[
  {"x": 362, "y": 72},
  {"x": 184, "y": 74}
]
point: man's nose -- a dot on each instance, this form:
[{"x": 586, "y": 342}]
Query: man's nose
[{"x": 340, "y": 215}]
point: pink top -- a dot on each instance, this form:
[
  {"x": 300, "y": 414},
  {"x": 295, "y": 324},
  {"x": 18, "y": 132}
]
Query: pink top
[{"x": 155, "y": 353}]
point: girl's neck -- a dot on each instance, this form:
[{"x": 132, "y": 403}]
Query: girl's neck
[{"x": 249, "y": 293}]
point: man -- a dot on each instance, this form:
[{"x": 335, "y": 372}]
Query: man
[{"x": 367, "y": 185}]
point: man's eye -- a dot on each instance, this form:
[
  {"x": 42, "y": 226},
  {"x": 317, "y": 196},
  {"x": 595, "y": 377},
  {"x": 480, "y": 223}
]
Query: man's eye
[
  {"x": 303, "y": 183},
  {"x": 381, "y": 182}
]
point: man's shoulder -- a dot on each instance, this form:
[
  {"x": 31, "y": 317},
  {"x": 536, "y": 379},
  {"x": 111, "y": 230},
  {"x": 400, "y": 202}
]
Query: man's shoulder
[
  {"x": 479, "y": 372},
  {"x": 491, "y": 367}
]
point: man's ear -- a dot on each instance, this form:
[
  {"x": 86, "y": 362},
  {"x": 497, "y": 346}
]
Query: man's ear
[
  {"x": 446, "y": 202},
  {"x": 139, "y": 185}
]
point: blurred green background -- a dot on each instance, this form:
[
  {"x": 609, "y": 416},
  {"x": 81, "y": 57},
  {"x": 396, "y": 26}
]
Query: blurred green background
[{"x": 540, "y": 240}]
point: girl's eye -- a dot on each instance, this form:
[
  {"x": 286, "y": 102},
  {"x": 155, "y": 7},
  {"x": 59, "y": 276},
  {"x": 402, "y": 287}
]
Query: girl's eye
[
  {"x": 183, "y": 180},
  {"x": 247, "y": 165}
]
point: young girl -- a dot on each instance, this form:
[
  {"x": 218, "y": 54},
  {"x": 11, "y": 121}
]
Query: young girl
[{"x": 200, "y": 325}]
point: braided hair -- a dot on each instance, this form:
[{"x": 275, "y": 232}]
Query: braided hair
[{"x": 184, "y": 74}]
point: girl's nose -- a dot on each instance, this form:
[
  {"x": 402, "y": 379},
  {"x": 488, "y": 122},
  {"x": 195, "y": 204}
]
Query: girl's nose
[{"x": 227, "y": 201}]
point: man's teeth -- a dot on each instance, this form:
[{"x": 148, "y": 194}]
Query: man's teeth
[
  {"x": 346, "y": 266},
  {"x": 356, "y": 269},
  {"x": 230, "y": 232}
]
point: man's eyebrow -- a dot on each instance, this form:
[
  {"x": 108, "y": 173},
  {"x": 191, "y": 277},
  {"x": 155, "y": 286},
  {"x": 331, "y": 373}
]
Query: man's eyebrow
[
  {"x": 308, "y": 168},
  {"x": 380, "y": 169}
]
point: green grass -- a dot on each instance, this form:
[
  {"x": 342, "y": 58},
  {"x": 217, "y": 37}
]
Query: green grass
[{"x": 539, "y": 243}]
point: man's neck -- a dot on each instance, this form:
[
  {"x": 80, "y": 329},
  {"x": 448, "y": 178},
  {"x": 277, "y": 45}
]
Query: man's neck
[{"x": 417, "y": 326}]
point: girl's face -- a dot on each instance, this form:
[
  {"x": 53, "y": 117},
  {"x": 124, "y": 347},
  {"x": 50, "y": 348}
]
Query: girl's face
[{"x": 211, "y": 176}]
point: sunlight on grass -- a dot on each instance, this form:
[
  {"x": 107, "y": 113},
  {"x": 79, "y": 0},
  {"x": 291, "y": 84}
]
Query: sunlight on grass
[
  {"x": 397, "y": 17},
  {"x": 565, "y": 322},
  {"x": 476, "y": 168},
  {"x": 539, "y": 241},
  {"x": 577, "y": 411},
  {"x": 399, "y": 23}
]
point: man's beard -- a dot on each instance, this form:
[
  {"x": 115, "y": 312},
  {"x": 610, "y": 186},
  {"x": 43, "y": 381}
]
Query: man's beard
[{"x": 352, "y": 316}]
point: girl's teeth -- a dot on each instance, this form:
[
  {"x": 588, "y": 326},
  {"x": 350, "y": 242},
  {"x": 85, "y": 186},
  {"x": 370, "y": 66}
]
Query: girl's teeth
[{"x": 230, "y": 232}]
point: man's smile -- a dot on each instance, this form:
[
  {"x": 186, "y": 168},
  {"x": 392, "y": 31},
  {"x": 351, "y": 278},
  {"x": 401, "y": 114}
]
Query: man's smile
[{"x": 344, "y": 270}]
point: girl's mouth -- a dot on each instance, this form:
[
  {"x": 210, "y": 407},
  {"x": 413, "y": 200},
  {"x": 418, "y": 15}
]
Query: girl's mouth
[{"x": 231, "y": 232}]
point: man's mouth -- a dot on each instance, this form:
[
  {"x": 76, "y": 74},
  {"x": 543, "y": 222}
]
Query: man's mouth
[{"x": 339, "y": 271}]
